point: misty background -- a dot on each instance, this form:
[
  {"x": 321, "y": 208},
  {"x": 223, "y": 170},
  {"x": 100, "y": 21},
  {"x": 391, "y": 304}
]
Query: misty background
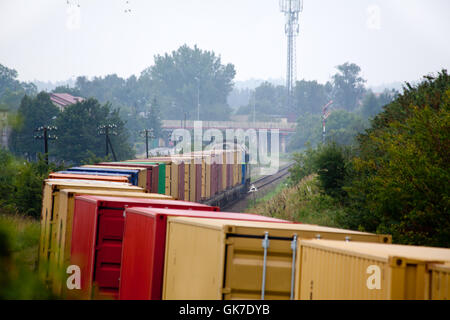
[{"x": 43, "y": 41}]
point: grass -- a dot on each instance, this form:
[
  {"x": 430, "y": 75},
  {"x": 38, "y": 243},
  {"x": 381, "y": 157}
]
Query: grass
[
  {"x": 19, "y": 242},
  {"x": 301, "y": 203}
]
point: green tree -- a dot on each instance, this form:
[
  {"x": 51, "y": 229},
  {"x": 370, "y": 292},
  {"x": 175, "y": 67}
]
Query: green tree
[
  {"x": 348, "y": 86},
  {"x": 32, "y": 113},
  {"x": 373, "y": 104},
  {"x": 331, "y": 163},
  {"x": 401, "y": 174},
  {"x": 12, "y": 90},
  {"x": 308, "y": 130},
  {"x": 78, "y": 132},
  {"x": 188, "y": 75},
  {"x": 311, "y": 96},
  {"x": 342, "y": 127}
]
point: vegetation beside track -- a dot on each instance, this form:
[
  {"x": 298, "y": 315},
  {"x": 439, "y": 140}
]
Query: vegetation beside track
[
  {"x": 393, "y": 179},
  {"x": 19, "y": 241},
  {"x": 303, "y": 202}
]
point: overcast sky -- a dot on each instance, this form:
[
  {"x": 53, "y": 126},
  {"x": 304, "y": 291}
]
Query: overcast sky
[{"x": 392, "y": 40}]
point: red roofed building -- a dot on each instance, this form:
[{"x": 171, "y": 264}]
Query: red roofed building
[{"x": 62, "y": 100}]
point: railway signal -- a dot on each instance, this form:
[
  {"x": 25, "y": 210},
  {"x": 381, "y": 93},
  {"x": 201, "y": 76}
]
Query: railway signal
[{"x": 44, "y": 134}]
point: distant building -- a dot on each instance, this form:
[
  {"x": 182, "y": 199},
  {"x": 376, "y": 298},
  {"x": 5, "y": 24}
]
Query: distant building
[{"x": 62, "y": 100}]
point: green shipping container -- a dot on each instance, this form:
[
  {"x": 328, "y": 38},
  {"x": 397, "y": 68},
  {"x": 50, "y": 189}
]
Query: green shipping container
[{"x": 161, "y": 175}]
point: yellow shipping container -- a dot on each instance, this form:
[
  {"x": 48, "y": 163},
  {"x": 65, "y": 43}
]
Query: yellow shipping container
[
  {"x": 336, "y": 270},
  {"x": 224, "y": 259},
  {"x": 439, "y": 282},
  {"x": 192, "y": 180},
  {"x": 203, "y": 178},
  {"x": 60, "y": 252},
  {"x": 174, "y": 179},
  {"x": 224, "y": 171},
  {"x": 208, "y": 180}
]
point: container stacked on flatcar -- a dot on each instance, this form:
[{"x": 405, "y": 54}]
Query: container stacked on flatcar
[
  {"x": 333, "y": 270},
  {"x": 137, "y": 229}
]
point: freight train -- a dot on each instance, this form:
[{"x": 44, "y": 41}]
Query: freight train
[{"x": 141, "y": 229}]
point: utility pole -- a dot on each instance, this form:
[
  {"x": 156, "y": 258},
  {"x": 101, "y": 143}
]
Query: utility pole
[
  {"x": 45, "y": 135},
  {"x": 148, "y": 133},
  {"x": 105, "y": 130}
]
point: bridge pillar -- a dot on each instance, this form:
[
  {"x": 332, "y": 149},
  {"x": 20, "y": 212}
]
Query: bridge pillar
[{"x": 282, "y": 143}]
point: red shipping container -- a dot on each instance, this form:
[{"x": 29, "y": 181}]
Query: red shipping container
[
  {"x": 144, "y": 242},
  {"x": 152, "y": 172},
  {"x": 97, "y": 235}
]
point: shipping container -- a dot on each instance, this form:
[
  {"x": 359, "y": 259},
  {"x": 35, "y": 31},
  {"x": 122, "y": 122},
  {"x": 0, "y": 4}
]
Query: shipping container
[
  {"x": 439, "y": 288},
  {"x": 224, "y": 171},
  {"x": 152, "y": 172},
  {"x": 161, "y": 172},
  {"x": 144, "y": 245},
  {"x": 225, "y": 259},
  {"x": 198, "y": 182},
  {"x": 99, "y": 177},
  {"x": 60, "y": 255},
  {"x": 51, "y": 222},
  {"x": 339, "y": 270},
  {"x": 97, "y": 234},
  {"x": 141, "y": 175},
  {"x": 132, "y": 173},
  {"x": 93, "y": 173}
]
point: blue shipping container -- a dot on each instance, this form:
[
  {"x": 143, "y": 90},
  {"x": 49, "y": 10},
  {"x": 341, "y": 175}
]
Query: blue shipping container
[{"x": 132, "y": 173}]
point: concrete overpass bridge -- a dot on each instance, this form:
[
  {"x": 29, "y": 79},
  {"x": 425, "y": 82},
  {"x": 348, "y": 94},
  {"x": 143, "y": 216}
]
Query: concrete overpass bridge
[{"x": 285, "y": 128}]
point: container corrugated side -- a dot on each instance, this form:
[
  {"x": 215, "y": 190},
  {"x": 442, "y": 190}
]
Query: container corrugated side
[
  {"x": 234, "y": 253},
  {"x": 51, "y": 222},
  {"x": 335, "y": 270},
  {"x": 142, "y": 173},
  {"x": 58, "y": 175},
  {"x": 97, "y": 239},
  {"x": 439, "y": 281},
  {"x": 64, "y": 210}
]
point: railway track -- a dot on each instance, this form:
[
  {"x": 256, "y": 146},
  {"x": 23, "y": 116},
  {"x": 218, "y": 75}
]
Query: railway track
[
  {"x": 267, "y": 180},
  {"x": 238, "y": 205}
]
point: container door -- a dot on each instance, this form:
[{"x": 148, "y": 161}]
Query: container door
[
  {"x": 245, "y": 267},
  {"x": 108, "y": 252}
]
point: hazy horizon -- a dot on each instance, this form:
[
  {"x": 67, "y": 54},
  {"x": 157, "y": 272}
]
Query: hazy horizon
[{"x": 48, "y": 41}]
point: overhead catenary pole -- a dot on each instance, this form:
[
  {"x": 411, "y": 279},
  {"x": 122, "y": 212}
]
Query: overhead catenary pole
[
  {"x": 148, "y": 134},
  {"x": 45, "y": 136},
  {"x": 108, "y": 130}
]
